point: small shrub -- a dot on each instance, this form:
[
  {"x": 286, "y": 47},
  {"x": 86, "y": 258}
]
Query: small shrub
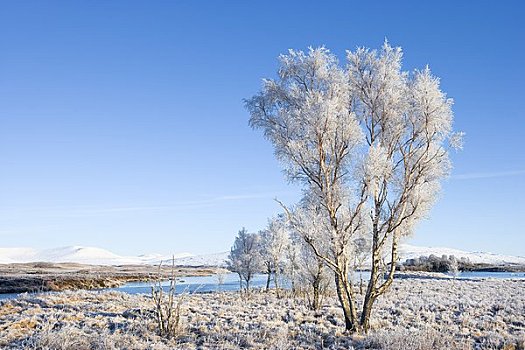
[{"x": 167, "y": 306}]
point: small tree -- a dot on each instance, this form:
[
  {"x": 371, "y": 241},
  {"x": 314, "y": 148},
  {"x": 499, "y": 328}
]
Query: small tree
[
  {"x": 369, "y": 143},
  {"x": 453, "y": 266},
  {"x": 314, "y": 276},
  {"x": 244, "y": 258},
  {"x": 220, "y": 279},
  {"x": 274, "y": 241},
  {"x": 311, "y": 270},
  {"x": 267, "y": 263},
  {"x": 292, "y": 262}
]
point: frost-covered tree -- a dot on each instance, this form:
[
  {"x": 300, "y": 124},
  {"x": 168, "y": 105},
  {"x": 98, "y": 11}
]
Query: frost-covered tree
[
  {"x": 369, "y": 142},
  {"x": 311, "y": 271},
  {"x": 453, "y": 266},
  {"x": 244, "y": 258},
  {"x": 292, "y": 268},
  {"x": 267, "y": 264},
  {"x": 273, "y": 242},
  {"x": 313, "y": 276}
]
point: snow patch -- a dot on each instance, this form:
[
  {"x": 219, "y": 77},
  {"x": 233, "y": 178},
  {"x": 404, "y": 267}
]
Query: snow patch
[
  {"x": 408, "y": 251},
  {"x": 217, "y": 259},
  {"x": 99, "y": 256},
  {"x": 80, "y": 255}
]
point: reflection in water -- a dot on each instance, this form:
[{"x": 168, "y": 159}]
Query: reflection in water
[{"x": 195, "y": 284}]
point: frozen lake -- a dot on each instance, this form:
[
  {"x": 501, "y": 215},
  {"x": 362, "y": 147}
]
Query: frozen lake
[{"x": 207, "y": 284}]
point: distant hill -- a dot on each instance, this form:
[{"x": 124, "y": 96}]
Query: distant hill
[
  {"x": 99, "y": 256},
  {"x": 78, "y": 254},
  {"x": 216, "y": 259},
  {"x": 408, "y": 251}
]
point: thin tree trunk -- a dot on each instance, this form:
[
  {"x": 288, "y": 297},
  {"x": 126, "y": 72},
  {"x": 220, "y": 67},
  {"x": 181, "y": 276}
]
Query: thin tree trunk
[
  {"x": 269, "y": 272},
  {"x": 294, "y": 291},
  {"x": 344, "y": 295},
  {"x": 315, "y": 285},
  {"x": 369, "y": 298},
  {"x": 373, "y": 291},
  {"x": 276, "y": 279}
]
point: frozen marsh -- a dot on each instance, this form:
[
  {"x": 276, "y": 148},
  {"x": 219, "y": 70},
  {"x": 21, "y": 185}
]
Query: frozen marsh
[{"x": 416, "y": 313}]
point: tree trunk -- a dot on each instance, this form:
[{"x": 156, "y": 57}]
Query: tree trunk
[
  {"x": 268, "y": 280},
  {"x": 367, "y": 311},
  {"x": 373, "y": 291},
  {"x": 344, "y": 295},
  {"x": 372, "y": 283},
  {"x": 276, "y": 279},
  {"x": 294, "y": 291},
  {"x": 315, "y": 301},
  {"x": 369, "y": 298},
  {"x": 316, "y": 285}
]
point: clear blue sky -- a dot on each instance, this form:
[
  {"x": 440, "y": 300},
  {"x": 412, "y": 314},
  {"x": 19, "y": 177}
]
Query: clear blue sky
[{"x": 122, "y": 124}]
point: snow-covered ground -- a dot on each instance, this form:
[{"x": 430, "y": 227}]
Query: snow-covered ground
[
  {"x": 417, "y": 314},
  {"x": 99, "y": 256}
]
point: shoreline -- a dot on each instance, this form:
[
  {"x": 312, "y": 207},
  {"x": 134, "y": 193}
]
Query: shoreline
[{"x": 47, "y": 277}]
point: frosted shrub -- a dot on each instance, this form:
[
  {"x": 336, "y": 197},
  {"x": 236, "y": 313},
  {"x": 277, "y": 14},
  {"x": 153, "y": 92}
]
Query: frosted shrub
[
  {"x": 69, "y": 338},
  {"x": 167, "y": 306},
  {"x": 428, "y": 339}
]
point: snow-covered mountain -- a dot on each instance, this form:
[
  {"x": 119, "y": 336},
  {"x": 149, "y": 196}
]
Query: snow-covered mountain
[
  {"x": 408, "y": 251},
  {"x": 99, "y": 256},
  {"x": 216, "y": 259},
  {"x": 80, "y": 255}
]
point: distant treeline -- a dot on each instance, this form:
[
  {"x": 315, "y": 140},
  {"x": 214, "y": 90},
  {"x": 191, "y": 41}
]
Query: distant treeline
[
  {"x": 433, "y": 263},
  {"x": 451, "y": 264}
]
